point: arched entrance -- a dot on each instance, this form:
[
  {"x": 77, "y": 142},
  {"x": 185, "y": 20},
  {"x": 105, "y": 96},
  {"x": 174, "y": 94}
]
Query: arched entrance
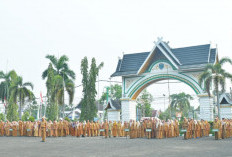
[{"x": 140, "y": 70}]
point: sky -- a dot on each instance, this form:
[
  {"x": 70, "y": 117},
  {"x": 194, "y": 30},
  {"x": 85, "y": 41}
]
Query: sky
[{"x": 105, "y": 29}]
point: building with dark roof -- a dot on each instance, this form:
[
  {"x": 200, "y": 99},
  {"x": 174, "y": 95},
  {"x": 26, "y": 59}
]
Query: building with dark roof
[
  {"x": 185, "y": 64},
  {"x": 113, "y": 109},
  {"x": 225, "y": 101}
]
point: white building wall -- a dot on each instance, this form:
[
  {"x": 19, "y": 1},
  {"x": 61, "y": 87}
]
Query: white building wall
[
  {"x": 206, "y": 108},
  {"x": 226, "y": 111},
  {"x": 113, "y": 115},
  {"x": 128, "y": 110}
]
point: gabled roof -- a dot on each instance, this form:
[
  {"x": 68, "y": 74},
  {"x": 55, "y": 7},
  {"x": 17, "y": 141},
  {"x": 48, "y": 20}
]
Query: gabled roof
[
  {"x": 225, "y": 98},
  {"x": 193, "y": 57},
  {"x": 114, "y": 104}
]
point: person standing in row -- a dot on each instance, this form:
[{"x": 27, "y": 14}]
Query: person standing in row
[{"x": 43, "y": 129}]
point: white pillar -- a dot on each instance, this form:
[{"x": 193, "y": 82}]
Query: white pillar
[
  {"x": 128, "y": 110},
  {"x": 206, "y": 107}
]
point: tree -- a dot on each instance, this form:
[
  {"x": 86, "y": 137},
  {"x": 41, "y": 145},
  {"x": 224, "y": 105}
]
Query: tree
[
  {"x": 88, "y": 108},
  {"x": 12, "y": 113},
  {"x": 216, "y": 75},
  {"x": 25, "y": 116},
  {"x": 2, "y": 117},
  {"x": 5, "y": 86},
  {"x": 180, "y": 101},
  {"x": 144, "y": 103},
  {"x": 115, "y": 93},
  {"x": 59, "y": 69},
  {"x": 20, "y": 92}
]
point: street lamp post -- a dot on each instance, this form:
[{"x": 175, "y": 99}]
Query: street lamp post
[{"x": 164, "y": 101}]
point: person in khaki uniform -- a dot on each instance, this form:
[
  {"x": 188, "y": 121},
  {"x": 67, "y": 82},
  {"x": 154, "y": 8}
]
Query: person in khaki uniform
[
  {"x": 84, "y": 128},
  {"x": 166, "y": 129},
  {"x": 1, "y": 128},
  {"x": 132, "y": 130},
  {"x": 139, "y": 129},
  {"x": 60, "y": 128},
  {"x": 43, "y": 129},
  {"x": 125, "y": 126},
  {"x": 216, "y": 125},
  {"x": 49, "y": 128},
  {"x": 14, "y": 128},
  {"x": 20, "y": 128},
  {"x": 24, "y": 129},
  {"x": 143, "y": 128},
  {"x": 148, "y": 126},
  {"x": 36, "y": 131},
  {"x": 106, "y": 128},
  {"x": 119, "y": 127},
  {"x": 153, "y": 128},
  {"x": 97, "y": 132},
  {"x": 91, "y": 129},
  {"x": 88, "y": 128},
  {"x": 81, "y": 129},
  {"x": 54, "y": 128},
  {"x": 114, "y": 131},
  {"x": 177, "y": 131},
  {"x": 110, "y": 128},
  {"x": 29, "y": 129},
  {"x": 185, "y": 127},
  {"x": 198, "y": 129}
]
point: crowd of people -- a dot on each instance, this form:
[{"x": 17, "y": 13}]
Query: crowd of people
[{"x": 148, "y": 128}]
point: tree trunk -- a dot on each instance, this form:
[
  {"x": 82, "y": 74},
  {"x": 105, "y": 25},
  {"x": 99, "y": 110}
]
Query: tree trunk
[
  {"x": 218, "y": 104},
  {"x": 20, "y": 108}
]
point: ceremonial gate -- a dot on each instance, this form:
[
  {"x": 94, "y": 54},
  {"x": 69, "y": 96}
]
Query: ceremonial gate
[{"x": 139, "y": 70}]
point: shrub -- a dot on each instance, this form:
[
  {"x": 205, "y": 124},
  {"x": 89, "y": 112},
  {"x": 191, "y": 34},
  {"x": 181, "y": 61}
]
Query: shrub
[
  {"x": 25, "y": 116},
  {"x": 66, "y": 118},
  {"x": 31, "y": 118}
]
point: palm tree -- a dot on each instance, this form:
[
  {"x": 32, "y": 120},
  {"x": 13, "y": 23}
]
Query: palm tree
[
  {"x": 20, "y": 92},
  {"x": 180, "y": 101},
  {"x": 214, "y": 73},
  {"x": 5, "y": 85},
  {"x": 61, "y": 68}
]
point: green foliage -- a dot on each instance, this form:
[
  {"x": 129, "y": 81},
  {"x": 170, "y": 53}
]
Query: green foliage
[
  {"x": 25, "y": 116},
  {"x": 115, "y": 92},
  {"x": 2, "y": 117},
  {"x": 66, "y": 118},
  {"x": 165, "y": 115},
  {"x": 12, "y": 112},
  {"x": 31, "y": 118},
  {"x": 180, "y": 101},
  {"x": 216, "y": 75},
  {"x": 88, "y": 108},
  {"x": 60, "y": 78},
  {"x": 20, "y": 92},
  {"x": 144, "y": 103}
]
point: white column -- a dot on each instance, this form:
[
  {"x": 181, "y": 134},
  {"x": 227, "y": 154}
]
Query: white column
[
  {"x": 128, "y": 110},
  {"x": 206, "y": 107}
]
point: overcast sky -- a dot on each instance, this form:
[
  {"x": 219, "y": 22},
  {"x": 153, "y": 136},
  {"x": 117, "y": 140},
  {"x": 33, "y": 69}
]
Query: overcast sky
[{"x": 31, "y": 29}]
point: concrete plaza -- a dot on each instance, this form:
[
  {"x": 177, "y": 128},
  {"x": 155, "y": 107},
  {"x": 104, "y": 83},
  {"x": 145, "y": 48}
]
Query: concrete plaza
[{"x": 100, "y": 147}]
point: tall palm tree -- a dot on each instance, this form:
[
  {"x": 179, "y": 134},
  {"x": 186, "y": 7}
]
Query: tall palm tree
[
  {"x": 60, "y": 67},
  {"x": 20, "y": 92},
  {"x": 216, "y": 75},
  {"x": 180, "y": 101},
  {"x": 5, "y": 85}
]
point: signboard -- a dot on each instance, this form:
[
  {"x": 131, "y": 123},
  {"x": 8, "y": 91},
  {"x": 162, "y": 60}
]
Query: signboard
[
  {"x": 215, "y": 130},
  {"x": 148, "y": 130},
  {"x": 126, "y": 130}
]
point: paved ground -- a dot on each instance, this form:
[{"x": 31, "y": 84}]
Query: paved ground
[{"x": 113, "y": 147}]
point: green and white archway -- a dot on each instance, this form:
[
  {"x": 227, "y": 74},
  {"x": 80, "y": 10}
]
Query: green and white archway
[{"x": 140, "y": 70}]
